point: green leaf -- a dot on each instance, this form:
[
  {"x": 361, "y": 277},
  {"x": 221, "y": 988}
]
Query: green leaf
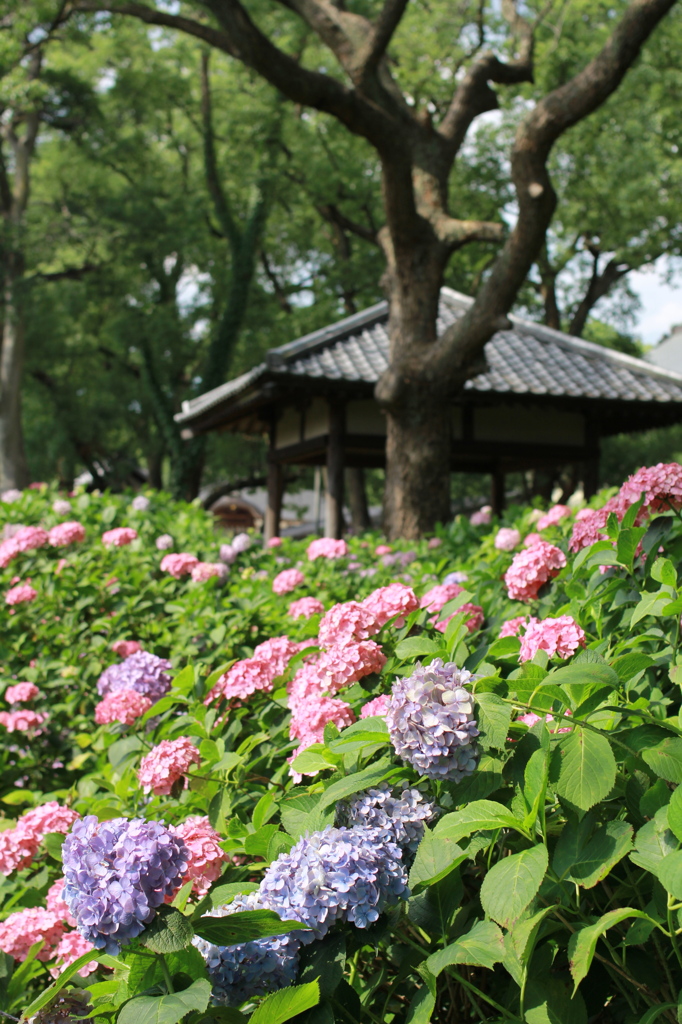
[
  {"x": 416, "y": 647},
  {"x": 651, "y": 604},
  {"x": 282, "y": 1006},
  {"x": 311, "y": 761},
  {"x": 504, "y": 647},
  {"x": 548, "y": 1001},
  {"x": 184, "y": 680},
  {"x": 588, "y": 768},
  {"x": 653, "y": 842},
  {"x": 169, "y": 932},
  {"x": 436, "y": 857},
  {"x": 53, "y": 842},
  {"x": 168, "y": 1009},
  {"x": 670, "y": 873},
  {"x": 493, "y": 718},
  {"x": 665, "y": 758},
  {"x": 627, "y": 543},
  {"x": 483, "y": 946},
  {"x": 675, "y": 813},
  {"x": 67, "y": 974},
  {"x": 244, "y": 926},
  {"x": 479, "y": 816},
  {"x": 372, "y": 776},
  {"x": 606, "y": 848},
  {"x": 511, "y": 884},
  {"x": 663, "y": 571},
  {"x": 583, "y": 943},
  {"x": 421, "y": 1006},
  {"x": 223, "y": 894},
  {"x": 256, "y": 844},
  {"x": 122, "y": 749},
  {"x": 324, "y": 961}
]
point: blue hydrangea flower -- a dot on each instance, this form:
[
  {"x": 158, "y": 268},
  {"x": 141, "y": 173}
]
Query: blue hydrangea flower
[
  {"x": 250, "y": 969},
  {"x": 116, "y": 874},
  {"x": 399, "y": 815},
  {"x": 431, "y": 722},
  {"x": 142, "y": 671},
  {"x": 340, "y": 874}
]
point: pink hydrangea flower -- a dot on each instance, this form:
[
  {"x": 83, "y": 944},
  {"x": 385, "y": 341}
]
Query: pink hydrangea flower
[
  {"x": 124, "y": 648},
  {"x": 562, "y": 636},
  {"x": 66, "y": 533},
  {"x": 8, "y": 551},
  {"x": 530, "y": 539},
  {"x": 206, "y": 857},
  {"x": 69, "y": 948},
  {"x": 28, "y": 538},
  {"x": 310, "y": 717},
  {"x": 436, "y": 598},
  {"x": 56, "y": 904},
  {"x": 21, "y": 930},
  {"x": 513, "y": 627},
  {"x": 164, "y": 542},
  {"x": 123, "y": 706},
  {"x": 482, "y": 517},
  {"x": 287, "y": 580},
  {"x": 326, "y": 547},
  {"x": 23, "y": 720},
  {"x": 661, "y": 485},
  {"x": 21, "y": 692},
  {"x": 275, "y": 542},
  {"x": 507, "y": 539},
  {"x": 434, "y": 542},
  {"x": 305, "y": 607},
  {"x": 269, "y": 660},
  {"x": 388, "y": 602},
  {"x": 383, "y": 549},
  {"x": 530, "y": 719},
  {"x": 378, "y": 706},
  {"x": 10, "y": 495},
  {"x": 119, "y": 537},
  {"x": 21, "y": 594},
  {"x": 203, "y": 571},
  {"x": 345, "y": 622},
  {"x": 17, "y": 850},
  {"x": 342, "y": 665},
  {"x": 178, "y": 565},
  {"x": 277, "y": 652},
  {"x": 167, "y": 763},
  {"x": 61, "y": 506},
  {"x": 49, "y": 817},
  {"x": 61, "y": 564},
  {"x": 473, "y": 621},
  {"x": 532, "y": 568},
  {"x": 590, "y": 524},
  {"x": 554, "y": 516}
]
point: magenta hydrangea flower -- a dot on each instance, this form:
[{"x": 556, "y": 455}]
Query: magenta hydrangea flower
[
  {"x": 661, "y": 485},
  {"x": 562, "y": 636},
  {"x": 473, "y": 621},
  {"x": 378, "y": 706},
  {"x": 117, "y": 874},
  {"x": 20, "y": 693},
  {"x": 167, "y": 763},
  {"x": 28, "y": 538},
  {"x": 395, "y": 601},
  {"x": 309, "y": 718},
  {"x": 383, "y": 549},
  {"x": 22, "y": 594},
  {"x": 21, "y": 930},
  {"x": 326, "y": 547},
  {"x": 23, "y": 720},
  {"x": 203, "y": 571},
  {"x": 269, "y": 660},
  {"x": 206, "y": 858},
  {"x": 531, "y": 569},
  {"x": 287, "y": 580},
  {"x": 124, "y": 706},
  {"x": 180, "y": 564},
  {"x": 305, "y": 607},
  {"x": 333, "y": 669},
  {"x": 275, "y": 542},
  {"x": 119, "y": 537},
  {"x": 507, "y": 539},
  {"x": 66, "y": 533},
  {"x": 345, "y": 622},
  {"x": 530, "y": 719},
  {"x": 554, "y": 516}
]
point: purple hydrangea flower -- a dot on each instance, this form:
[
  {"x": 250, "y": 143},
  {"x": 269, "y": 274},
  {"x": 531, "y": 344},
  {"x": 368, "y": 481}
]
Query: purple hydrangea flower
[
  {"x": 227, "y": 554},
  {"x": 399, "y": 816},
  {"x": 240, "y": 543},
  {"x": 340, "y": 874},
  {"x": 116, "y": 874},
  {"x": 456, "y": 577},
  {"x": 140, "y": 503},
  {"x": 164, "y": 542},
  {"x": 249, "y": 969},
  {"x": 431, "y": 722},
  {"x": 143, "y": 672}
]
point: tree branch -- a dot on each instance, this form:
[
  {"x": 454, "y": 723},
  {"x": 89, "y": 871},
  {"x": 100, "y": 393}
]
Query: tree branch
[
  {"x": 331, "y": 213},
  {"x": 600, "y": 285},
  {"x": 384, "y": 28},
  {"x": 215, "y": 186}
]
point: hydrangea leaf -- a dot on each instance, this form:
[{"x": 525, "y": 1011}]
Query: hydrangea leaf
[
  {"x": 437, "y": 856},
  {"x": 675, "y": 813},
  {"x": 169, "y": 932},
  {"x": 511, "y": 884},
  {"x": 243, "y": 926},
  {"x": 282, "y": 1006},
  {"x": 583, "y": 943},
  {"x": 588, "y": 768},
  {"x": 493, "y": 716},
  {"x": 168, "y": 1009},
  {"x": 479, "y": 816},
  {"x": 483, "y": 946}
]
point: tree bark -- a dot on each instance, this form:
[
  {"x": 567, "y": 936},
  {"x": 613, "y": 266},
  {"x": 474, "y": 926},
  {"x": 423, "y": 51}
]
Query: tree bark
[
  {"x": 357, "y": 499},
  {"x": 13, "y": 469}
]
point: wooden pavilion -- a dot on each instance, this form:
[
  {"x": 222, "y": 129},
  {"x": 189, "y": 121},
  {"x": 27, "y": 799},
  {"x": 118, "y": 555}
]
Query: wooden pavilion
[{"x": 545, "y": 400}]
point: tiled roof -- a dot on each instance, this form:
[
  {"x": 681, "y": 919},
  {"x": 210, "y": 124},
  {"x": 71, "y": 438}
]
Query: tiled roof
[{"x": 528, "y": 359}]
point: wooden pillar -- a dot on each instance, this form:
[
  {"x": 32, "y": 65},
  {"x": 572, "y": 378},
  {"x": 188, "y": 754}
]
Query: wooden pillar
[
  {"x": 273, "y": 512},
  {"x": 357, "y": 499},
  {"x": 497, "y": 490},
  {"x": 333, "y": 517}
]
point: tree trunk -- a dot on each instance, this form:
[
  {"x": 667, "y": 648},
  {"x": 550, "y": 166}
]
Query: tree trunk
[
  {"x": 13, "y": 469},
  {"x": 357, "y": 499}
]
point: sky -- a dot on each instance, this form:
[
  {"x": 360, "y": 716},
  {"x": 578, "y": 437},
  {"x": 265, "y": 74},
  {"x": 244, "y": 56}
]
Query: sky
[{"x": 661, "y": 305}]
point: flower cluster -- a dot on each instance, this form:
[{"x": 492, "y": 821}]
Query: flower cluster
[
  {"x": 164, "y": 542},
  {"x": 305, "y": 607},
  {"x": 22, "y": 594},
  {"x": 69, "y": 948},
  {"x": 437, "y": 597},
  {"x": 119, "y": 537},
  {"x": 346, "y": 622},
  {"x": 23, "y": 538},
  {"x": 140, "y": 503},
  {"x": 339, "y": 874},
  {"x": 141, "y": 671},
  {"x": 202, "y": 571},
  {"x": 205, "y": 857},
  {"x": 66, "y": 533},
  {"x": 124, "y": 706},
  {"x": 431, "y": 721},
  {"x": 482, "y": 517},
  {"x": 513, "y": 627},
  {"x": 531, "y": 569},
  {"x": 507, "y": 539},
  {"x": 309, "y": 719},
  {"x": 378, "y": 706},
  {"x": 21, "y": 930},
  {"x": 19, "y": 845},
  {"x": 530, "y": 719},
  {"x": 23, "y": 720},
  {"x": 56, "y": 904},
  {"x": 116, "y": 875},
  {"x": 398, "y": 816},
  {"x": 178, "y": 565},
  {"x": 562, "y": 636},
  {"x": 287, "y": 580},
  {"x": 20, "y": 693},
  {"x": 393, "y": 602},
  {"x": 554, "y": 516},
  {"x": 326, "y": 547},
  {"x": 249, "y": 969},
  {"x": 269, "y": 660},
  {"x": 241, "y": 543},
  {"x": 124, "y": 648},
  {"x": 661, "y": 485},
  {"x": 167, "y": 763}
]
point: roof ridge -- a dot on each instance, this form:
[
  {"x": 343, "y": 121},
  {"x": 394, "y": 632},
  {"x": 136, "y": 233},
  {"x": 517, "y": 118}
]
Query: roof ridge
[{"x": 321, "y": 337}]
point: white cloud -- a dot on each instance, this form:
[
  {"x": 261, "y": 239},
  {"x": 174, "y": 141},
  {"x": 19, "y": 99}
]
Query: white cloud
[{"x": 661, "y": 305}]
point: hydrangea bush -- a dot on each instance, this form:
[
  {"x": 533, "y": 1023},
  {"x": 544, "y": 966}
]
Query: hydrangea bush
[{"x": 328, "y": 781}]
